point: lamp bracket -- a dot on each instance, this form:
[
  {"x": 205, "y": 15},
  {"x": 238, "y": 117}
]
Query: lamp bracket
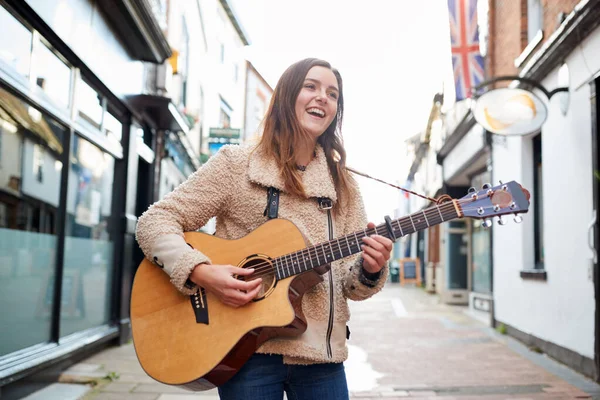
[{"x": 529, "y": 81}]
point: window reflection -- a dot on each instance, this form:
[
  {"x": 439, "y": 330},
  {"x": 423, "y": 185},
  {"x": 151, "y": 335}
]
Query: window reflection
[
  {"x": 89, "y": 104},
  {"x": 15, "y": 43},
  {"x": 53, "y": 75},
  {"x": 112, "y": 127},
  {"x": 30, "y": 168},
  {"x": 87, "y": 272}
]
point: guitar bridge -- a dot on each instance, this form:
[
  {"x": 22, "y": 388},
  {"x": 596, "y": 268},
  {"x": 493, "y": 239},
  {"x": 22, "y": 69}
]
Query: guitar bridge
[{"x": 200, "y": 306}]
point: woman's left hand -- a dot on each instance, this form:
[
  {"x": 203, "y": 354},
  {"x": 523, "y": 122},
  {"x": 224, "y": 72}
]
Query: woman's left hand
[{"x": 376, "y": 251}]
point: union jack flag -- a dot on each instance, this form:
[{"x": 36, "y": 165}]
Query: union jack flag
[{"x": 464, "y": 34}]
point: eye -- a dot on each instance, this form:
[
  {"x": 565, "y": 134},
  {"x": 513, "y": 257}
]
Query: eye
[
  {"x": 309, "y": 85},
  {"x": 333, "y": 95}
]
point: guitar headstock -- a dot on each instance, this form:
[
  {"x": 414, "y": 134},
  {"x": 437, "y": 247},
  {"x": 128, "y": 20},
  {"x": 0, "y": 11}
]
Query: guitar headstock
[{"x": 504, "y": 199}]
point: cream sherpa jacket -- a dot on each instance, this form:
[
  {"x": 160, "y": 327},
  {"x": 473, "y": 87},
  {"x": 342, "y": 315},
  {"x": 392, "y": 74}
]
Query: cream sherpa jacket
[{"x": 232, "y": 186}]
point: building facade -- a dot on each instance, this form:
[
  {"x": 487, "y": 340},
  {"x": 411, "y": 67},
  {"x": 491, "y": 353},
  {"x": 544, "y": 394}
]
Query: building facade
[
  {"x": 539, "y": 279},
  {"x": 258, "y": 97},
  {"x": 546, "y": 271},
  {"x": 100, "y": 115}
]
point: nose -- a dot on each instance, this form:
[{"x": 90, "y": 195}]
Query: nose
[{"x": 322, "y": 96}]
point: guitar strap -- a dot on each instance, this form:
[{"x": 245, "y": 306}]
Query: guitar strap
[
  {"x": 324, "y": 204},
  {"x": 272, "y": 208}
]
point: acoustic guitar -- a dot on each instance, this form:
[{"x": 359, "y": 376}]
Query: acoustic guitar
[{"x": 198, "y": 342}]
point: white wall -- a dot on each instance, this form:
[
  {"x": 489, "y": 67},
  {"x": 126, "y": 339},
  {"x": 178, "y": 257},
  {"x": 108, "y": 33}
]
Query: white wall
[
  {"x": 560, "y": 310},
  {"x": 256, "y": 106}
]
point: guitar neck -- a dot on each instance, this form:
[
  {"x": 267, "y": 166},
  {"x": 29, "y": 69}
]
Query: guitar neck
[{"x": 324, "y": 253}]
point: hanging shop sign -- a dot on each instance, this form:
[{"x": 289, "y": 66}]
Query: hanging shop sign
[{"x": 511, "y": 111}]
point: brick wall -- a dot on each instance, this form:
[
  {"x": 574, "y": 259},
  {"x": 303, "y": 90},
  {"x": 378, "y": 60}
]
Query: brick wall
[{"x": 508, "y": 31}]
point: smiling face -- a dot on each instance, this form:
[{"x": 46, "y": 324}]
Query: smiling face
[{"x": 316, "y": 104}]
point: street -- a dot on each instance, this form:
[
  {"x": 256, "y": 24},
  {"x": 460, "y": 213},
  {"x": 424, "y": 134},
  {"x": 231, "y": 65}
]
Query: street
[{"x": 404, "y": 344}]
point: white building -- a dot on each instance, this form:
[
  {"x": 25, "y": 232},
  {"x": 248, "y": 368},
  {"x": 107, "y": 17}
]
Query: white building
[
  {"x": 258, "y": 97},
  {"x": 545, "y": 270},
  {"x": 539, "y": 279},
  {"x": 224, "y": 76}
]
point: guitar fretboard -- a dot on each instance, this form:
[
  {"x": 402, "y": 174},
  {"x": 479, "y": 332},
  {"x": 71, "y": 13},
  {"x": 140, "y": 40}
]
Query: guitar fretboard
[{"x": 324, "y": 253}]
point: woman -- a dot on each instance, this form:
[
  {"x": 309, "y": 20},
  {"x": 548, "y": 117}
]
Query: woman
[{"x": 300, "y": 154}]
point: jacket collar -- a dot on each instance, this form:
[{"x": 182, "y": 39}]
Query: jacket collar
[{"x": 317, "y": 180}]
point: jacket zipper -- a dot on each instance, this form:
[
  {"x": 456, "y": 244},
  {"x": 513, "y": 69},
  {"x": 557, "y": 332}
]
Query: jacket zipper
[{"x": 330, "y": 326}]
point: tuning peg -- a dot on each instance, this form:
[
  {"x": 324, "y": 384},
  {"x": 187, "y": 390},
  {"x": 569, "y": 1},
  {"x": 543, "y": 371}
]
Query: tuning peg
[
  {"x": 472, "y": 189},
  {"x": 487, "y": 223},
  {"x": 501, "y": 182},
  {"x": 501, "y": 221},
  {"x": 517, "y": 219},
  {"x": 486, "y": 186}
]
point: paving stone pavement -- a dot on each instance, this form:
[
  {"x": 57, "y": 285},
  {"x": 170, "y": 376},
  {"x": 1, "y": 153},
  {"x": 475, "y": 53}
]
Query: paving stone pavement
[{"x": 404, "y": 344}]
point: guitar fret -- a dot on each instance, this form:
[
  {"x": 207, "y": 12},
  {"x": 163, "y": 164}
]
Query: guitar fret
[
  {"x": 297, "y": 262},
  {"x": 357, "y": 242},
  {"x": 277, "y": 270},
  {"x": 310, "y": 258},
  {"x": 425, "y": 216},
  {"x": 348, "y": 244},
  {"x": 340, "y": 247},
  {"x": 281, "y": 267},
  {"x": 300, "y": 269},
  {"x": 441, "y": 216},
  {"x": 413, "y": 224},
  {"x": 287, "y": 265},
  {"x": 317, "y": 255},
  {"x": 400, "y": 226}
]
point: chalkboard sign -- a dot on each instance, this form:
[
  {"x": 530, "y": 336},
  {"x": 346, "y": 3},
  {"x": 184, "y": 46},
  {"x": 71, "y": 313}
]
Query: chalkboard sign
[{"x": 410, "y": 271}]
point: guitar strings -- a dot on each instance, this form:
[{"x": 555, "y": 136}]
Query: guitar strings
[
  {"x": 266, "y": 268},
  {"x": 320, "y": 252}
]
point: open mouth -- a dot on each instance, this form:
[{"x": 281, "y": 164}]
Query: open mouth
[{"x": 315, "y": 112}]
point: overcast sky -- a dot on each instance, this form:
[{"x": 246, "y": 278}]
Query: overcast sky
[{"x": 393, "y": 55}]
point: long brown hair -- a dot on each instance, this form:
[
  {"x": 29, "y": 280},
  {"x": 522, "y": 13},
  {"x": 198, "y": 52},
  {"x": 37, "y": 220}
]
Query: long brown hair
[{"x": 282, "y": 131}]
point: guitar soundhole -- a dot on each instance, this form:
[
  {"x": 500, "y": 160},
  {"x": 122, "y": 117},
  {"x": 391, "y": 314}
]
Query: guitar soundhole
[{"x": 263, "y": 268}]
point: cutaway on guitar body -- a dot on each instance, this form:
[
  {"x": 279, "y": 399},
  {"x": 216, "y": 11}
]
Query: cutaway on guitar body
[{"x": 173, "y": 348}]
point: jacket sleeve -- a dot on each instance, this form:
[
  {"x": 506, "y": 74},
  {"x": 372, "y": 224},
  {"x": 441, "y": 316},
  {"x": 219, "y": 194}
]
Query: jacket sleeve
[
  {"x": 357, "y": 286},
  {"x": 160, "y": 229}
]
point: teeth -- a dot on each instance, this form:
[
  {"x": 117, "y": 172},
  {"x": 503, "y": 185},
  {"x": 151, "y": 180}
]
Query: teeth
[{"x": 316, "y": 111}]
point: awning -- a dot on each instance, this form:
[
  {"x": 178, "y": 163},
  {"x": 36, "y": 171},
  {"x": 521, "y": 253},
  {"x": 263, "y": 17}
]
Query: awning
[{"x": 162, "y": 114}]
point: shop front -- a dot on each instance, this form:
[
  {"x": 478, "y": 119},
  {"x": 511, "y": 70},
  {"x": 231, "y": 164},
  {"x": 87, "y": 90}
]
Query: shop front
[
  {"x": 466, "y": 256},
  {"x": 70, "y": 147}
]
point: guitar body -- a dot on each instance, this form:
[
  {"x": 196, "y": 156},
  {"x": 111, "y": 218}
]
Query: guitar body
[{"x": 175, "y": 349}]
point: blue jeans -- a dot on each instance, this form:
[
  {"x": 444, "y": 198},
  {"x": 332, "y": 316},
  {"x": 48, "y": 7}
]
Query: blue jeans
[{"x": 266, "y": 377}]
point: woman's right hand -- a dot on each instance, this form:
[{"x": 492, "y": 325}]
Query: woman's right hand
[{"x": 219, "y": 280}]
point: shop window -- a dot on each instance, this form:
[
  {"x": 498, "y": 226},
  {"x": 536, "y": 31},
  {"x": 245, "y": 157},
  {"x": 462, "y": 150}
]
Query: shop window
[
  {"x": 53, "y": 75},
  {"x": 481, "y": 240},
  {"x": 184, "y": 62},
  {"x": 15, "y": 43},
  {"x": 112, "y": 127},
  {"x": 89, "y": 104},
  {"x": 538, "y": 201},
  {"x": 87, "y": 274},
  {"x": 225, "y": 115},
  {"x": 535, "y": 19},
  {"x": 30, "y": 184},
  {"x": 38, "y": 163}
]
